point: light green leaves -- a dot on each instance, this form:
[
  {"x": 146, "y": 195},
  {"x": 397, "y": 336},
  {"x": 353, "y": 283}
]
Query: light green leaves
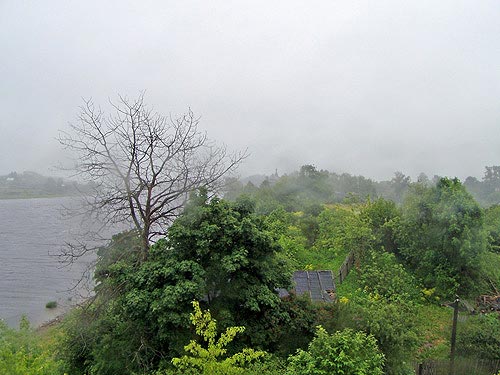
[{"x": 210, "y": 358}]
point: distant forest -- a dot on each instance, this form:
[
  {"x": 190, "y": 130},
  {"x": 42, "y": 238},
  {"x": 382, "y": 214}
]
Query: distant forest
[
  {"x": 310, "y": 185},
  {"x": 34, "y": 185}
]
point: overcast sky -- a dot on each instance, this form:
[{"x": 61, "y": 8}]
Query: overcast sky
[{"x": 365, "y": 87}]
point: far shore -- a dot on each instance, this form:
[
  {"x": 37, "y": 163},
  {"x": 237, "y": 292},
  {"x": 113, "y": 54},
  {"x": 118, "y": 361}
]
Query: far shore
[{"x": 35, "y": 196}]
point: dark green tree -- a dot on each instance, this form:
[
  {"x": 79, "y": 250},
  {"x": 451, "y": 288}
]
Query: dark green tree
[
  {"x": 492, "y": 226},
  {"x": 239, "y": 262},
  {"x": 382, "y": 216},
  {"x": 441, "y": 236},
  {"x": 216, "y": 252}
]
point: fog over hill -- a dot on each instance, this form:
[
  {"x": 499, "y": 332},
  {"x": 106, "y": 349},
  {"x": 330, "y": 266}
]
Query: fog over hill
[{"x": 362, "y": 87}]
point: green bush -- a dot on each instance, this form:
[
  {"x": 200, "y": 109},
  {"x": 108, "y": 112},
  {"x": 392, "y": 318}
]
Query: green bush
[
  {"x": 384, "y": 305},
  {"x": 392, "y": 323},
  {"x": 211, "y": 358},
  {"x": 381, "y": 274},
  {"x": 345, "y": 352},
  {"x": 492, "y": 227},
  {"x": 51, "y": 305},
  {"x": 23, "y": 352},
  {"x": 480, "y": 337}
]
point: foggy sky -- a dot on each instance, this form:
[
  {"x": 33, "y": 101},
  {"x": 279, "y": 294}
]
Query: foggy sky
[{"x": 365, "y": 87}]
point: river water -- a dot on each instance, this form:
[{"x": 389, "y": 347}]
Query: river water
[{"x": 32, "y": 233}]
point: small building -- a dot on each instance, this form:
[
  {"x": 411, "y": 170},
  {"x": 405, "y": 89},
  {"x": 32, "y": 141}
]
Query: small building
[{"x": 318, "y": 285}]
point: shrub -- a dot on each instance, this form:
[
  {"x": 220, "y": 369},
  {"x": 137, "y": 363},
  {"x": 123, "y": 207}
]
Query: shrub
[
  {"x": 213, "y": 359},
  {"x": 51, "y": 305},
  {"x": 381, "y": 274},
  {"x": 345, "y": 352},
  {"x": 480, "y": 337},
  {"x": 22, "y": 352},
  {"x": 390, "y": 322}
]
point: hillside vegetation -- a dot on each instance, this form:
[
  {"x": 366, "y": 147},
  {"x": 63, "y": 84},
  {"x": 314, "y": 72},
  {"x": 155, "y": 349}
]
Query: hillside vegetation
[{"x": 205, "y": 300}]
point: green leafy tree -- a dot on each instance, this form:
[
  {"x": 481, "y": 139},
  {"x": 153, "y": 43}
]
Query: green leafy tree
[
  {"x": 284, "y": 227},
  {"x": 341, "y": 230},
  {"x": 441, "y": 236},
  {"x": 391, "y": 322},
  {"x": 383, "y": 276},
  {"x": 344, "y": 352},
  {"x": 239, "y": 260},
  {"x": 382, "y": 216},
  {"x": 213, "y": 359},
  {"x": 216, "y": 252},
  {"x": 384, "y": 306},
  {"x": 492, "y": 227}
]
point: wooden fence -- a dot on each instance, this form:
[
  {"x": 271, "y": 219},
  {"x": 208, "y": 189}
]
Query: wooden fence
[{"x": 345, "y": 268}]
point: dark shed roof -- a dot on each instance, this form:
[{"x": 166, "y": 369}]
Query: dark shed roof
[{"x": 318, "y": 285}]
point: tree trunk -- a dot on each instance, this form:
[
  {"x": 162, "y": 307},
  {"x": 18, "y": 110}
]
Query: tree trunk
[{"x": 145, "y": 245}]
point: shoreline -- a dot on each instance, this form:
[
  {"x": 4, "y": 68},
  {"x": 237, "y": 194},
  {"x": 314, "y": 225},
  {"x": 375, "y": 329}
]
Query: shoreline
[{"x": 50, "y": 323}]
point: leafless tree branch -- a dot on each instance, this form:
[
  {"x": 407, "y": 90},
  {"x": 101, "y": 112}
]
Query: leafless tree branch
[{"x": 142, "y": 165}]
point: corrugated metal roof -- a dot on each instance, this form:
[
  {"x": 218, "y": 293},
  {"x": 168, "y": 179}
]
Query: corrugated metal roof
[{"x": 318, "y": 285}]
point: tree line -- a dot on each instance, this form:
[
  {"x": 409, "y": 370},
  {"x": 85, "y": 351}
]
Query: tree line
[{"x": 192, "y": 287}]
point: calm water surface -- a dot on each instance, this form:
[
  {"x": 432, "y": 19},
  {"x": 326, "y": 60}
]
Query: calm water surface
[{"x": 32, "y": 232}]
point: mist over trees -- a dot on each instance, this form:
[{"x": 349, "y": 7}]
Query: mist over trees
[
  {"x": 31, "y": 185},
  {"x": 309, "y": 186},
  {"x": 414, "y": 244},
  {"x": 142, "y": 164},
  {"x": 319, "y": 268}
]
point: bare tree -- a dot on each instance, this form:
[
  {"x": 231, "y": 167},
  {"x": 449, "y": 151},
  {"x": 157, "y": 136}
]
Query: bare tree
[{"x": 143, "y": 165}]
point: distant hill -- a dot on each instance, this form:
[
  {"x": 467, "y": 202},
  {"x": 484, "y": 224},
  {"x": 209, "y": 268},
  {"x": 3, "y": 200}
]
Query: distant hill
[{"x": 32, "y": 185}]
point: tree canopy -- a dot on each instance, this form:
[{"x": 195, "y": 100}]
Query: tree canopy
[
  {"x": 441, "y": 236},
  {"x": 216, "y": 252}
]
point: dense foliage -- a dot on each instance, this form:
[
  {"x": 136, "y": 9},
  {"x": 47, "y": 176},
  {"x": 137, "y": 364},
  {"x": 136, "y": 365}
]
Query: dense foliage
[
  {"x": 441, "y": 236},
  {"x": 413, "y": 250},
  {"x": 218, "y": 253},
  {"x": 23, "y": 352},
  {"x": 344, "y": 352},
  {"x": 384, "y": 305},
  {"x": 480, "y": 337},
  {"x": 209, "y": 360}
]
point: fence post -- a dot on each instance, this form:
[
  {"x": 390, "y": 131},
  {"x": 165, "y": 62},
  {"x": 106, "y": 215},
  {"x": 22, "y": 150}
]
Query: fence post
[
  {"x": 420, "y": 369},
  {"x": 454, "y": 336}
]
